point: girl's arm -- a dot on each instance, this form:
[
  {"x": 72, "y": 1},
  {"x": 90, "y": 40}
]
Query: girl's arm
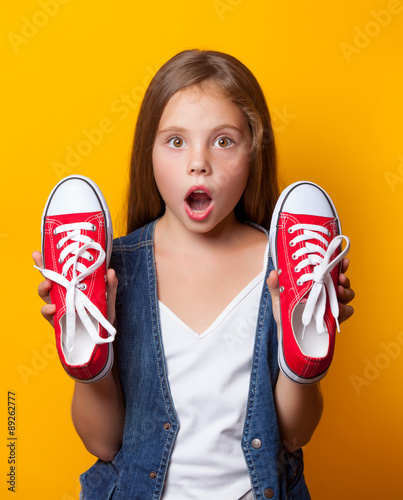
[
  {"x": 98, "y": 415},
  {"x": 299, "y": 407},
  {"x": 97, "y": 409}
]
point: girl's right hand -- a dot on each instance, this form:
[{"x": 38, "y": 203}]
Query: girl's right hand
[{"x": 48, "y": 310}]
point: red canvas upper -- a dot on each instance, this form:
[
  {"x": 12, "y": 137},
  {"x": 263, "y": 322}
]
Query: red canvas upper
[
  {"x": 292, "y": 294},
  {"x": 95, "y": 291}
]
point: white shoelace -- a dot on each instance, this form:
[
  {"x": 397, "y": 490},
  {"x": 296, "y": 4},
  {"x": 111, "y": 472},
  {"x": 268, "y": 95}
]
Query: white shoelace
[
  {"x": 322, "y": 281},
  {"x": 76, "y": 300}
]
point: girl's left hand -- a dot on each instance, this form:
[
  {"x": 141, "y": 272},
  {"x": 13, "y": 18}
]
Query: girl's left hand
[{"x": 345, "y": 294}]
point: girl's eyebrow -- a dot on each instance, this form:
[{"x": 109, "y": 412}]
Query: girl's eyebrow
[
  {"x": 171, "y": 129},
  {"x": 182, "y": 129}
]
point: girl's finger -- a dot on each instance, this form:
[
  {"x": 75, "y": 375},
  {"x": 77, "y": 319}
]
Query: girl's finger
[
  {"x": 272, "y": 283},
  {"x": 43, "y": 290},
  {"x": 111, "y": 288},
  {"x": 48, "y": 311},
  {"x": 37, "y": 256},
  {"x": 345, "y": 312},
  {"x": 344, "y": 264},
  {"x": 345, "y": 295}
]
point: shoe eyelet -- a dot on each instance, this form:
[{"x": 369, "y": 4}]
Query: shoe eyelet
[
  {"x": 54, "y": 232},
  {"x": 292, "y": 243},
  {"x": 279, "y": 272},
  {"x": 90, "y": 258},
  {"x": 296, "y": 269},
  {"x": 293, "y": 256},
  {"x": 58, "y": 246},
  {"x": 281, "y": 289},
  {"x": 94, "y": 227},
  {"x": 290, "y": 230},
  {"x": 82, "y": 286},
  {"x": 60, "y": 261},
  {"x": 299, "y": 283}
]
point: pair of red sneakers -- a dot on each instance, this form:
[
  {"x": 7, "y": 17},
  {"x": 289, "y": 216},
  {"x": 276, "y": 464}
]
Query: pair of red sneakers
[{"x": 305, "y": 240}]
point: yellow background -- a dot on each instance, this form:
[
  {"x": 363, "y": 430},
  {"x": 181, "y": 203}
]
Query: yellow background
[{"x": 333, "y": 77}]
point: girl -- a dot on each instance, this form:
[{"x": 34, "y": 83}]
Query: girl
[{"x": 195, "y": 407}]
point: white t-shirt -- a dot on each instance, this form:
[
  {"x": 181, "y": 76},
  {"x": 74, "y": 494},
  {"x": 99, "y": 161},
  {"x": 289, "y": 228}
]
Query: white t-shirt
[{"x": 209, "y": 380}]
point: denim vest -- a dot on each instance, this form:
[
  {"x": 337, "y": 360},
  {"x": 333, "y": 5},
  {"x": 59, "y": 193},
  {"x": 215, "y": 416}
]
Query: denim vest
[{"x": 138, "y": 471}]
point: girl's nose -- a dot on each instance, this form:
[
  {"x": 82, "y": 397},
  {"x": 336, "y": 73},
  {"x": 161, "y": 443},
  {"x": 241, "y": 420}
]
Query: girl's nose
[{"x": 199, "y": 163}]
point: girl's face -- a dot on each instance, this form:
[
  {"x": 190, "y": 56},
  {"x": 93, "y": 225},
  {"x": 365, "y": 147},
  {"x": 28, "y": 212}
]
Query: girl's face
[{"x": 201, "y": 158}]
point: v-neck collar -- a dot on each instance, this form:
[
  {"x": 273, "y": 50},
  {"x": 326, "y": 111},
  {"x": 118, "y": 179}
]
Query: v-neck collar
[{"x": 227, "y": 310}]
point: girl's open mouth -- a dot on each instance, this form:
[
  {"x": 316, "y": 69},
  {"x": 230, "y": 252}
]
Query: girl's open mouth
[{"x": 198, "y": 203}]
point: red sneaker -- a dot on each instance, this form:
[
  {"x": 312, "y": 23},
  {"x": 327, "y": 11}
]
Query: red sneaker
[
  {"x": 76, "y": 248},
  {"x": 305, "y": 239}
]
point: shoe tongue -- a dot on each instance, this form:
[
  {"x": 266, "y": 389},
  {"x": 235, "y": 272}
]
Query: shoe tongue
[
  {"x": 75, "y": 217},
  {"x": 309, "y": 219}
]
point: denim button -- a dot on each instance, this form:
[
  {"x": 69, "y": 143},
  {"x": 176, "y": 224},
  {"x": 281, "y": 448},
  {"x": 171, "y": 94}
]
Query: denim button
[
  {"x": 153, "y": 475},
  {"x": 167, "y": 426},
  {"x": 268, "y": 493},
  {"x": 256, "y": 443}
]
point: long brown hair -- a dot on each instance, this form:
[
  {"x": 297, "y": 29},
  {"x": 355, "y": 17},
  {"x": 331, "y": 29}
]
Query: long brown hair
[{"x": 195, "y": 67}]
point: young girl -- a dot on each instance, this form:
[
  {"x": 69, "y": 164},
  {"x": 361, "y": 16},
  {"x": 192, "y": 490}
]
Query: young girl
[{"x": 195, "y": 406}]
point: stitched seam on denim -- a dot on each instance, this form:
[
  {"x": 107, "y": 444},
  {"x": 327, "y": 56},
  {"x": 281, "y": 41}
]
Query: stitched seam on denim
[
  {"x": 293, "y": 480},
  {"x": 157, "y": 349},
  {"x": 134, "y": 246},
  {"x": 118, "y": 249},
  {"x": 156, "y": 328},
  {"x": 162, "y": 469},
  {"x": 253, "y": 385},
  {"x": 260, "y": 326},
  {"x": 162, "y": 376}
]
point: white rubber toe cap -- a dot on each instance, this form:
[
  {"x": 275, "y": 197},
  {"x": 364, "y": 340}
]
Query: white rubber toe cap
[
  {"x": 74, "y": 195},
  {"x": 309, "y": 199}
]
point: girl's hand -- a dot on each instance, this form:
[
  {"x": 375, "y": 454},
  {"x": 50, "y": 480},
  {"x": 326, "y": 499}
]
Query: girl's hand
[
  {"x": 111, "y": 289},
  {"x": 345, "y": 294},
  {"x": 48, "y": 310},
  {"x": 272, "y": 283}
]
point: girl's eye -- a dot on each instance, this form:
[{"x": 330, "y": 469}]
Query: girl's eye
[
  {"x": 176, "y": 142},
  {"x": 223, "y": 142}
]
